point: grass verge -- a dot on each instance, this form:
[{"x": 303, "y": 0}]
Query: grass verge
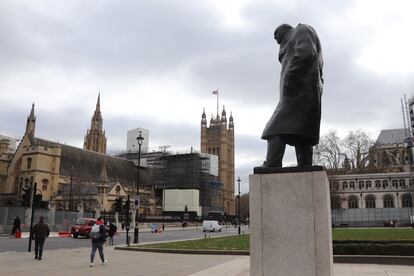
[
  {"x": 240, "y": 242},
  {"x": 367, "y": 241}
]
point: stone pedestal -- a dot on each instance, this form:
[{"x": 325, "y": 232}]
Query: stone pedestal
[{"x": 290, "y": 224}]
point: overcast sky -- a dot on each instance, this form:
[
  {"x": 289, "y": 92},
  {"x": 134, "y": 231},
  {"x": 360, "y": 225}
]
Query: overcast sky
[{"x": 156, "y": 64}]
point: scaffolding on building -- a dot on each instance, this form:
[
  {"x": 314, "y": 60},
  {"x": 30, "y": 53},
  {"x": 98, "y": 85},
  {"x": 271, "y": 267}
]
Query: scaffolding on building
[{"x": 190, "y": 170}]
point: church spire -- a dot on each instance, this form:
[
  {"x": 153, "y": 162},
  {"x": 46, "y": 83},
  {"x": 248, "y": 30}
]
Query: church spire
[
  {"x": 32, "y": 111},
  {"x": 31, "y": 122},
  {"x": 98, "y": 104},
  {"x": 95, "y": 139}
]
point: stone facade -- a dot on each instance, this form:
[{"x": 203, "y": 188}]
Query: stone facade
[
  {"x": 90, "y": 180},
  {"x": 389, "y": 187},
  {"x": 379, "y": 190},
  {"x": 218, "y": 139}
]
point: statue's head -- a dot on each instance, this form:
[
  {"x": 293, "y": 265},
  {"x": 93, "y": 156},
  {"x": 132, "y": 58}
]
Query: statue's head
[{"x": 281, "y": 31}]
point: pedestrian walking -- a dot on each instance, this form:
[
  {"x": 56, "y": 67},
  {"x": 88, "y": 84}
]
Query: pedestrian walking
[
  {"x": 98, "y": 235},
  {"x": 16, "y": 225},
  {"x": 111, "y": 233},
  {"x": 40, "y": 232}
]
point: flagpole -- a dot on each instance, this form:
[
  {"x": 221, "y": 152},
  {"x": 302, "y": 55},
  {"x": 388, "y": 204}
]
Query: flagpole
[
  {"x": 217, "y": 103},
  {"x": 215, "y": 92}
]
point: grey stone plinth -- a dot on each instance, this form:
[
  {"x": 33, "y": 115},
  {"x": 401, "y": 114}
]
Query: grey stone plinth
[{"x": 290, "y": 224}]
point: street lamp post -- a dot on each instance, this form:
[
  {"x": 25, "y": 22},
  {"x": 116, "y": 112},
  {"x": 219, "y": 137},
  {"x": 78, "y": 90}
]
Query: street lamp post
[
  {"x": 140, "y": 139},
  {"x": 238, "y": 203},
  {"x": 33, "y": 190},
  {"x": 127, "y": 224},
  {"x": 411, "y": 208}
]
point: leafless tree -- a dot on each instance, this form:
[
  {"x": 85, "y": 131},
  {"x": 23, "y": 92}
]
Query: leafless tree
[
  {"x": 358, "y": 144},
  {"x": 329, "y": 151}
]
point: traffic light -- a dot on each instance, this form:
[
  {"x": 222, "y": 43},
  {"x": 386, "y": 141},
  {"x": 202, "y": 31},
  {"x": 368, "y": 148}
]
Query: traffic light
[
  {"x": 37, "y": 201},
  {"x": 127, "y": 208},
  {"x": 118, "y": 204},
  {"x": 26, "y": 196}
]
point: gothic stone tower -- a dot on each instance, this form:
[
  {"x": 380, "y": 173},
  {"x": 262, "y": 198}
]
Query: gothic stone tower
[
  {"x": 218, "y": 139},
  {"x": 95, "y": 139}
]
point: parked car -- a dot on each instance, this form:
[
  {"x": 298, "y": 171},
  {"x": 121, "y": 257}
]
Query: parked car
[
  {"x": 211, "y": 225},
  {"x": 82, "y": 227}
]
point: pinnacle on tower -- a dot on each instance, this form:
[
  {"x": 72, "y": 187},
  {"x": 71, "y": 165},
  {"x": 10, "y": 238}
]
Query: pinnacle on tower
[
  {"x": 223, "y": 116},
  {"x": 203, "y": 118}
]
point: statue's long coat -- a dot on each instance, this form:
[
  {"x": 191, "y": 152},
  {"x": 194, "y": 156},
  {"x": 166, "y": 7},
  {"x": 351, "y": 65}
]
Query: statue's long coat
[{"x": 299, "y": 110}]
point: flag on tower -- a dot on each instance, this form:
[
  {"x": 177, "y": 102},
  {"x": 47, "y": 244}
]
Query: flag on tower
[{"x": 215, "y": 92}]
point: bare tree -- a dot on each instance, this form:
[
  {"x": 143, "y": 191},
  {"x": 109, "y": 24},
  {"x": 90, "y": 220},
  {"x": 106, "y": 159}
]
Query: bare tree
[
  {"x": 329, "y": 151},
  {"x": 358, "y": 144}
]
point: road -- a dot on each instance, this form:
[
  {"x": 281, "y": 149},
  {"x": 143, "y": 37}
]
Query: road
[{"x": 8, "y": 244}]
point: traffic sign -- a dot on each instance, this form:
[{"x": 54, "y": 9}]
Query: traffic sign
[{"x": 137, "y": 202}]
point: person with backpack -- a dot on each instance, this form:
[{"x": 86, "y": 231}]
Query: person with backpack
[{"x": 98, "y": 235}]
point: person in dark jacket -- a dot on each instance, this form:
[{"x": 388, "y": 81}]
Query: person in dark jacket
[
  {"x": 40, "y": 232},
  {"x": 16, "y": 225},
  {"x": 111, "y": 232},
  {"x": 296, "y": 119},
  {"x": 99, "y": 241}
]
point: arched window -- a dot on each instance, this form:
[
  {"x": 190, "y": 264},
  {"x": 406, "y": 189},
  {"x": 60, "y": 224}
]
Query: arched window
[
  {"x": 385, "y": 184},
  {"x": 368, "y": 184},
  {"x": 352, "y": 185},
  {"x": 45, "y": 184},
  {"x": 377, "y": 184},
  {"x": 402, "y": 183},
  {"x": 352, "y": 202},
  {"x": 335, "y": 186},
  {"x": 29, "y": 163},
  {"x": 361, "y": 184},
  {"x": 388, "y": 201},
  {"x": 118, "y": 190},
  {"x": 406, "y": 201},
  {"x": 344, "y": 185},
  {"x": 394, "y": 183},
  {"x": 370, "y": 201}
]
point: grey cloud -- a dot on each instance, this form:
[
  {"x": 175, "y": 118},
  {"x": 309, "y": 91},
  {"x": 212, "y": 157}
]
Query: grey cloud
[{"x": 122, "y": 42}]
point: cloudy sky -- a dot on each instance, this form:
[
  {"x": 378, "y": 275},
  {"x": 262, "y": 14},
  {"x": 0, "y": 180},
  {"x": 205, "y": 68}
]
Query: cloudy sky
[{"x": 156, "y": 64}]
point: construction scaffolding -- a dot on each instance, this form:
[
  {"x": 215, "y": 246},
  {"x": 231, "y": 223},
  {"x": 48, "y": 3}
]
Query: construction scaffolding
[{"x": 183, "y": 171}]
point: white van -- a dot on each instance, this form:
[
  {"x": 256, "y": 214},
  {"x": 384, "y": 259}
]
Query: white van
[{"x": 211, "y": 225}]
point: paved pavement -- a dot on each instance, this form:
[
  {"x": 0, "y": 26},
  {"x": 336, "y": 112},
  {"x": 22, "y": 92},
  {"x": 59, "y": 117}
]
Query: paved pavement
[
  {"x": 76, "y": 262},
  {"x": 20, "y": 245}
]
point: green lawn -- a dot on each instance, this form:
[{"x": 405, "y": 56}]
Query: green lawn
[
  {"x": 241, "y": 242},
  {"x": 373, "y": 234}
]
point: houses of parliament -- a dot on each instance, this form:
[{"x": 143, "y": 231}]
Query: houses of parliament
[{"x": 93, "y": 179}]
